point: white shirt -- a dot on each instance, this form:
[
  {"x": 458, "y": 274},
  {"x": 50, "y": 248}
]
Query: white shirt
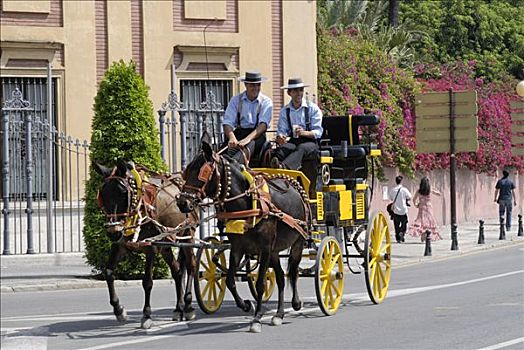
[
  {"x": 249, "y": 111},
  {"x": 399, "y": 206},
  {"x": 298, "y": 117}
]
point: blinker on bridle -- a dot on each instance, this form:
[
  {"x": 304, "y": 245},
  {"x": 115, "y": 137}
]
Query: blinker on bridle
[
  {"x": 133, "y": 194},
  {"x": 205, "y": 174}
]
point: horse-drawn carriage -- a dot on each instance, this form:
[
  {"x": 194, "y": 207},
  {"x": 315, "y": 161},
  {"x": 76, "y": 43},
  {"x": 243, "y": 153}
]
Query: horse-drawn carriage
[
  {"x": 329, "y": 223},
  {"x": 342, "y": 229}
]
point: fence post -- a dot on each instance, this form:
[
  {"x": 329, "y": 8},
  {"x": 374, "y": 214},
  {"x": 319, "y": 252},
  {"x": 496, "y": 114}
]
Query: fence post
[
  {"x": 161, "y": 129},
  {"x": 520, "y": 232},
  {"x": 183, "y": 138},
  {"x": 50, "y": 177},
  {"x": 29, "y": 182},
  {"x": 5, "y": 180}
]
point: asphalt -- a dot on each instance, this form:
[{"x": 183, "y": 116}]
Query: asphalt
[{"x": 39, "y": 272}]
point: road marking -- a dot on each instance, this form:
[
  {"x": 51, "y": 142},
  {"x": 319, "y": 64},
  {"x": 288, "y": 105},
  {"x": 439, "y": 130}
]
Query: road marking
[
  {"x": 146, "y": 338},
  {"x": 504, "y": 344},
  {"x": 348, "y": 298}
]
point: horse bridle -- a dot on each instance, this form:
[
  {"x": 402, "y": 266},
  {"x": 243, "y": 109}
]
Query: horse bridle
[
  {"x": 205, "y": 174},
  {"x": 133, "y": 197}
]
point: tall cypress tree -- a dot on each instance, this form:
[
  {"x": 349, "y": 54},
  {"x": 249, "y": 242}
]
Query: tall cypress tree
[{"x": 123, "y": 128}]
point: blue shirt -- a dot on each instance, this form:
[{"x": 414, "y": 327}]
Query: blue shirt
[
  {"x": 248, "y": 114},
  {"x": 298, "y": 117},
  {"x": 505, "y": 186}
]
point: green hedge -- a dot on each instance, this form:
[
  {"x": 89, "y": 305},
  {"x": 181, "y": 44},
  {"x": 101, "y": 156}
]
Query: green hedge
[{"x": 123, "y": 128}]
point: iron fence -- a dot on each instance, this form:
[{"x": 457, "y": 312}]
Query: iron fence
[
  {"x": 200, "y": 114},
  {"x": 44, "y": 170},
  {"x": 43, "y": 173}
]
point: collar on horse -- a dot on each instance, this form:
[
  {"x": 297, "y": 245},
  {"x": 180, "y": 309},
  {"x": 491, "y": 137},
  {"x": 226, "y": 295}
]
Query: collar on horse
[{"x": 262, "y": 205}]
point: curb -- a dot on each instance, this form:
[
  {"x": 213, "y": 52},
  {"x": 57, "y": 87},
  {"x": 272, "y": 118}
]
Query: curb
[
  {"x": 455, "y": 254},
  {"x": 43, "y": 284},
  {"x": 74, "y": 284}
]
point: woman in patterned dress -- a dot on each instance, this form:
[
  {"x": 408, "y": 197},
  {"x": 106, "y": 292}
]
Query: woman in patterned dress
[{"x": 425, "y": 220}]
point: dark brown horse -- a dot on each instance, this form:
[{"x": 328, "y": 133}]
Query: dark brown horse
[
  {"x": 224, "y": 180},
  {"x": 140, "y": 206}
]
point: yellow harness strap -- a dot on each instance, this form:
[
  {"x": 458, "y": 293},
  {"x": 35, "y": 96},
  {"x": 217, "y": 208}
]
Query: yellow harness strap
[
  {"x": 132, "y": 221},
  {"x": 238, "y": 226}
]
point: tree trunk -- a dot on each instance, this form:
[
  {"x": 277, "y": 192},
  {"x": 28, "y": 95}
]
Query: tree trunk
[{"x": 393, "y": 13}]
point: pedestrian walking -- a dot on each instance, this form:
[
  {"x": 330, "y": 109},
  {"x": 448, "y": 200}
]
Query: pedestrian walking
[
  {"x": 425, "y": 221},
  {"x": 505, "y": 197},
  {"x": 400, "y": 197}
]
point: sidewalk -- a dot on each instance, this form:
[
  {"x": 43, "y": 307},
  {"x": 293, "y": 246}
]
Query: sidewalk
[{"x": 19, "y": 273}]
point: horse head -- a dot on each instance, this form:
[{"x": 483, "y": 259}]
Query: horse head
[
  {"x": 202, "y": 179},
  {"x": 119, "y": 196}
]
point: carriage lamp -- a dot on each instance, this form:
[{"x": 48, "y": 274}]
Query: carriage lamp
[{"x": 520, "y": 89}]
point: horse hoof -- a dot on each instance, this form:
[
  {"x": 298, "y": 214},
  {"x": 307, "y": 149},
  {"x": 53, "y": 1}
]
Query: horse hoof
[
  {"x": 122, "y": 318},
  {"x": 248, "y": 306},
  {"x": 256, "y": 327},
  {"x": 146, "y": 323},
  {"x": 189, "y": 316},
  {"x": 276, "y": 321},
  {"x": 177, "y": 316},
  {"x": 297, "y": 306}
]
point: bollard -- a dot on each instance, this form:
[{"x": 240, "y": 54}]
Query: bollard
[
  {"x": 427, "y": 251},
  {"x": 502, "y": 235},
  {"x": 481, "y": 232},
  {"x": 520, "y": 232}
]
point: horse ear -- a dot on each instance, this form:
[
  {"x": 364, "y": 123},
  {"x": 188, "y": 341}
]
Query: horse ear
[
  {"x": 102, "y": 170},
  {"x": 208, "y": 151},
  {"x": 205, "y": 137},
  {"x": 121, "y": 167}
]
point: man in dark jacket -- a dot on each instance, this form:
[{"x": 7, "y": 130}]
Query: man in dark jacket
[{"x": 505, "y": 197}]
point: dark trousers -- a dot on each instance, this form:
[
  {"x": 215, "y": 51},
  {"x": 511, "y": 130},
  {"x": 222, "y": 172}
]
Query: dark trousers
[
  {"x": 254, "y": 147},
  {"x": 292, "y": 153},
  {"x": 401, "y": 225},
  {"x": 505, "y": 209}
]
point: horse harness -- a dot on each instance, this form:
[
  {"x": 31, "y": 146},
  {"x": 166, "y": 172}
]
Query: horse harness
[
  {"x": 262, "y": 204},
  {"x": 142, "y": 193}
]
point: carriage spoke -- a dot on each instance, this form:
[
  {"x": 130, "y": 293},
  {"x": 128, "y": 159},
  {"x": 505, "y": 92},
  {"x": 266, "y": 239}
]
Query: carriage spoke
[
  {"x": 333, "y": 262},
  {"x": 324, "y": 286}
]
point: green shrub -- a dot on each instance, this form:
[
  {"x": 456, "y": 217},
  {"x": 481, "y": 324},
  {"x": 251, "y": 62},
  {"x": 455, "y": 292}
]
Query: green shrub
[{"x": 123, "y": 128}]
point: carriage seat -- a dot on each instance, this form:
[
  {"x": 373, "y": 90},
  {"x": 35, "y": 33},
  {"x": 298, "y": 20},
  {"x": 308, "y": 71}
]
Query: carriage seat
[{"x": 344, "y": 151}]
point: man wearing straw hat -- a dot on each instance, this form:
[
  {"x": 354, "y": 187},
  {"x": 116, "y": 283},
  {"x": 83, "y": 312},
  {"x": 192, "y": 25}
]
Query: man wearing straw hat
[
  {"x": 301, "y": 121},
  {"x": 246, "y": 119}
]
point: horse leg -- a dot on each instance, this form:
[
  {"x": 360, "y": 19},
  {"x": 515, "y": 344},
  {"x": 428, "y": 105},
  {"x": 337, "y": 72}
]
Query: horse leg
[
  {"x": 147, "y": 284},
  {"x": 234, "y": 260},
  {"x": 279, "y": 274},
  {"x": 189, "y": 262},
  {"x": 176, "y": 274},
  {"x": 256, "y": 325},
  {"x": 295, "y": 256},
  {"x": 116, "y": 254}
]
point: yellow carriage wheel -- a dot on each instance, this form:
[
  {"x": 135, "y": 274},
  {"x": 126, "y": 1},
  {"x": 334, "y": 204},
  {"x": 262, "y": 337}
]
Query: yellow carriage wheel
[
  {"x": 377, "y": 257},
  {"x": 269, "y": 282},
  {"x": 210, "y": 282},
  {"x": 329, "y": 275}
]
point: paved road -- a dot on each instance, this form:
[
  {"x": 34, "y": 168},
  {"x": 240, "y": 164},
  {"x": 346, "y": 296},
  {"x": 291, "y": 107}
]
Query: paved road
[{"x": 472, "y": 301}]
